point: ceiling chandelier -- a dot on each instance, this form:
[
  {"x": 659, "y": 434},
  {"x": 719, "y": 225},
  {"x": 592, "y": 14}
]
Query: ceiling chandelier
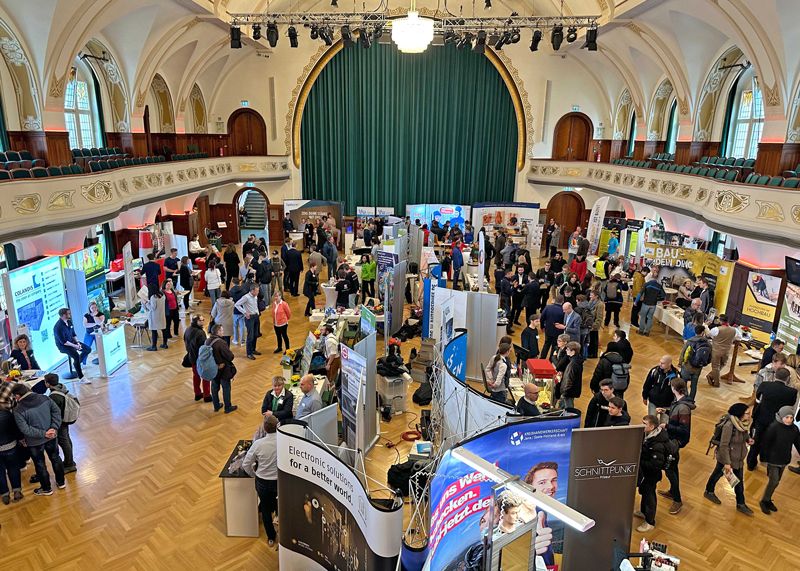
[{"x": 412, "y": 34}]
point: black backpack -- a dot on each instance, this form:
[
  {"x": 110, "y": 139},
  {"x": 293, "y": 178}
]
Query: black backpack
[
  {"x": 587, "y": 318},
  {"x": 671, "y": 448},
  {"x": 399, "y": 475},
  {"x": 423, "y": 395},
  {"x": 716, "y": 437},
  {"x": 701, "y": 353},
  {"x": 620, "y": 376}
]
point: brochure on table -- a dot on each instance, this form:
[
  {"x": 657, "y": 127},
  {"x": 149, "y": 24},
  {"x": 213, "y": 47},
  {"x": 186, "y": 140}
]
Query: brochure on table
[
  {"x": 34, "y": 294},
  {"x": 336, "y": 524}
]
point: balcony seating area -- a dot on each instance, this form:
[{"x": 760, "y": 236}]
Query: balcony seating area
[
  {"x": 40, "y": 172},
  {"x": 729, "y": 169},
  {"x": 11, "y": 160},
  {"x": 632, "y": 163},
  {"x": 189, "y": 156},
  {"x": 110, "y": 164}
]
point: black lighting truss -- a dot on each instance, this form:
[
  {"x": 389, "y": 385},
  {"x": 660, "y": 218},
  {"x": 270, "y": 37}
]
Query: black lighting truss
[{"x": 442, "y": 25}]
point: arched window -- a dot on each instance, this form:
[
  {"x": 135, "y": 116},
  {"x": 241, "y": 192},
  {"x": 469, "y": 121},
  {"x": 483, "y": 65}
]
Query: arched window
[
  {"x": 672, "y": 129},
  {"x": 632, "y": 135},
  {"x": 746, "y": 117},
  {"x": 81, "y": 109}
]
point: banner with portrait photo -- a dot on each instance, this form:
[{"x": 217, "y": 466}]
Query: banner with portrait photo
[
  {"x": 760, "y": 303},
  {"x": 538, "y": 451},
  {"x": 328, "y": 520},
  {"x": 789, "y": 323}
]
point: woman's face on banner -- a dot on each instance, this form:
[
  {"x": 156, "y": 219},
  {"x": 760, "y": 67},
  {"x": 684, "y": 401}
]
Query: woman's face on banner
[{"x": 546, "y": 481}]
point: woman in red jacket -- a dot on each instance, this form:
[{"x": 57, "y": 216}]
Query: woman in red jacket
[
  {"x": 280, "y": 320},
  {"x": 578, "y": 266}
]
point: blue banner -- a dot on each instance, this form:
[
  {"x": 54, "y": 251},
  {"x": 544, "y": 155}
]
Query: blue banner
[
  {"x": 455, "y": 357},
  {"x": 538, "y": 451}
]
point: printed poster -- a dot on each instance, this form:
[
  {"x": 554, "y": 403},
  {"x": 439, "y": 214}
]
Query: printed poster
[{"x": 760, "y": 303}]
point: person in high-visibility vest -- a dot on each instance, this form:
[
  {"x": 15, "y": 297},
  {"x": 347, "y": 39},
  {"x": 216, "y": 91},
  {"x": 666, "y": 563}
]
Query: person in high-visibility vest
[{"x": 601, "y": 272}]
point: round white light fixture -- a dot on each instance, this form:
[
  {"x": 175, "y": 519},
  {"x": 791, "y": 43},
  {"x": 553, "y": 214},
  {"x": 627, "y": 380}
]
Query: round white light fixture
[{"x": 412, "y": 34}]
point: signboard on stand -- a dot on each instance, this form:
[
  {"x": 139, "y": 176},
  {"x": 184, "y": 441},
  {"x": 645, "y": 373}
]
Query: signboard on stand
[
  {"x": 789, "y": 324},
  {"x": 353, "y": 371},
  {"x": 130, "y": 279},
  {"x": 481, "y": 260},
  {"x": 595, "y": 226},
  {"x": 328, "y": 520}
]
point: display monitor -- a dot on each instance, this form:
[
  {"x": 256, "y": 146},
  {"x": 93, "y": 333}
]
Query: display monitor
[
  {"x": 89, "y": 260},
  {"x": 34, "y": 294},
  {"x": 792, "y": 271}
]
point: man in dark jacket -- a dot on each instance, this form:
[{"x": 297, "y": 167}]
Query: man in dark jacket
[
  {"x": 9, "y": 436},
  {"x": 526, "y": 405},
  {"x": 770, "y": 397},
  {"x": 294, "y": 267},
  {"x": 288, "y": 225},
  {"x": 652, "y": 293},
  {"x": 67, "y": 342},
  {"x": 775, "y": 347},
  {"x": 58, "y": 394},
  {"x": 264, "y": 276},
  {"x": 506, "y": 293},
  {"x": 572, "y": 379},
  {"x": 194, "y": 337},
  {"x": 776, "y": 452},
  {"x": 620, "y": 344},
  {"x": 651, "y": 463},
  {"x": 331, "y": 255},
  {"x": 39, "y": 419},
  {"x": 617, "y": 415},
  {"x": 545, "y": 277},
  {"x": 551, "y": 315},
  {"x": 604, "y": 369},
  {"x": 597, "y": 410},
  {"x": 226, "y": 371},
  {"x": 679, "y": 428},
  {"x": 657, "y": 390}
]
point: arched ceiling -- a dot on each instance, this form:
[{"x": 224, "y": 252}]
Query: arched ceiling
[{"x": 642, "y": 42}]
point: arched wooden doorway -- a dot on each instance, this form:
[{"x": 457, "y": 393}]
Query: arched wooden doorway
[
  {"x": 247, "y": 132},
  {"x": 572, "y": 137},
  {"x": 567, "y": 209}
]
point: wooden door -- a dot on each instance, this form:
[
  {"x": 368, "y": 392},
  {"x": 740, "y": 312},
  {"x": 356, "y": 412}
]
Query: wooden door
[
  {"x": 566, "y": 208},
  {"x": 572, "y": 138},
  {"x": 228, "y": 214},
  {"x": 203, "y": 218},
  {"x": 248, "y": 133},
  {"x": 275, "y": 223}
]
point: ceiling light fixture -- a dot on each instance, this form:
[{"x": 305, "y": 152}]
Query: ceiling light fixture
[
  {"x": 314, "y": 32},
  {"x": 535, "y": 40},
  {"x": 480, "y": 42},
  {"x": 272, "y": 34},
  {"x": 292, "y": 36},
  {"x": 591, "y": 40},
  {"x": 412, "y": 34},
  {"x": 326, "y": 34},
  {"x": 488, "y": 4},
  {"x": 557, "y": 37},
  {"x": 347, "y": 38},
  {"x": 236, "y": 37},
  {"x": 515, "y": 37},
  {"x": 572, "y": 34},
  {"x": 364, "y": 39},
  {"x": 256, "y": 32}
]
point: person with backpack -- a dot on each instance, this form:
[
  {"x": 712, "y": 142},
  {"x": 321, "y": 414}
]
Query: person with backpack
[
  {"x": 612, "y": 290},
  {"x": 731, "y": 438},
  {"x": 598, "y": 315},
  {"x": 498, "y": 374},
  {"x": 264, "y": 275},
  {"x": 70, "y": 408},
  {"x": 679, "y": 429},
  {"x": 584, "y": 311},
  {"x": 652, "y": 461},
  {"x": 770, "y": 398},
  {"x": 651, "y": 295},
  {"x": 657, "y": 390},
  {"x": 39, "y": 420},
  {"x": 215, "y": 362},
  {"x": 194, "y": 337},
  {"x": 688, "y": 328},
  {"x": 613, "y": 367},
  {"x": 695, "y": 354},
  {"x": 776, "y": 452}
]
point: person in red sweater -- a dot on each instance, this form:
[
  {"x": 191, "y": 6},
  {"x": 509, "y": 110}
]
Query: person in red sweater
[{"x": 578, "y": 266}]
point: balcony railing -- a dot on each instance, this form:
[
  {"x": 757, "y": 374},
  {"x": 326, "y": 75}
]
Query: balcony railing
[
  {"x": 32, "y": 206},
  {"x": 763, "y": 213}
]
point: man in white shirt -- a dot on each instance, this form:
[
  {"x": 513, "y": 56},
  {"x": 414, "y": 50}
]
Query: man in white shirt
[
  {"x": 330, "y": 347},
  {"x": 248, "y": 306},
  {"x": 261, "y": 462},
  {"x": 311, "y": 401}
]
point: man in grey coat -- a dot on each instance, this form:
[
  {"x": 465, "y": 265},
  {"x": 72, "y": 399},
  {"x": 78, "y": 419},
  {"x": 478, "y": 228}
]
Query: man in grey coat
[{"x": 39, "y": 419}]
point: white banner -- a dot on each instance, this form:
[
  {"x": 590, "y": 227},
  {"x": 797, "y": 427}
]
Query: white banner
[
  {"x": 481, "y": 260},
  {"x": 130, "y": 279},
  {"x": 353, "y": 373},
  {"x": 595, "y": 225},
  {"x": 327, "y": 518}
]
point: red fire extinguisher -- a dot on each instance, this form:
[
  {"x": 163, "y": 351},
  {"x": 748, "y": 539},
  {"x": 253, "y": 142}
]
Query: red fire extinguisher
[
  {"x": 597, "y": 156},
  {"x": 222, "y": 151}
]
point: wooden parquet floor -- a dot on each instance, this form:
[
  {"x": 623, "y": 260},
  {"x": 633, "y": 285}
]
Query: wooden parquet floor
[{"x": 147, "y": 493}]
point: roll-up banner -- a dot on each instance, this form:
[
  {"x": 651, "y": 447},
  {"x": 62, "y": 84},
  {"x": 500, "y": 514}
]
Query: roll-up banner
[
  {"x": 363, "y": 215},
  {"x": 760, "y": 302},
  {"x": 604, "y": 465},
  {"x": 481, "y": 260},
  {"x": 353, "y": 375},
  {"x": 789, "y": 323},
  {"x": 536, "y": 450},
  {"x": 328, "y": 521},
  {"x": 130, "y": 278},
  {"x": 595, "y": 225},
  {"x": 384, "y": 210}
]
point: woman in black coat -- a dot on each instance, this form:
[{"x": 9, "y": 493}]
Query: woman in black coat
[
  {"x": 232, "y": 261},
  {"x": 278, "y": 402},
  {"x": 185, "y": 280}
]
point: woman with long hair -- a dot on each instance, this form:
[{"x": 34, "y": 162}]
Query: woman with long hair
[
  {"x": 171, "y": 308},
  {"x": 213, "y": 281},
  {"x": 280, "y": 320},
  {"x": 498, "y": 373}
]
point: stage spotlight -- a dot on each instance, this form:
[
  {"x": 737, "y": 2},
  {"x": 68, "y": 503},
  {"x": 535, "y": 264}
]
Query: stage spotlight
[
  {"x": 572, "y": 34},
  {"x": 292, "y": 36},
  {"x": 272, "y": 34},
  {"x": 347, "y": 38},
  {"x": 515, "y": 37},
  {"x": 488, "y": 4},
  {"x": 504, "y": 39},
  {"x": 591, "y": 40},
  {"x": 465, "y": 41},
  {"x": 493, "y": 39},
  {"x": 377, "y": 33},
  {"x": 256, "y": 31},
  {"x": 236, "y": 38},
  {"x": 537, "y": 37},
  {"x": 480, "y": 42},
  {"x": 326, "y": 34},
  {"x": 335, "y": 3},
  {"x": 314, "y": 32},
  {"x": 557, "y": 37},
  {"x": 363, "y": 38}
]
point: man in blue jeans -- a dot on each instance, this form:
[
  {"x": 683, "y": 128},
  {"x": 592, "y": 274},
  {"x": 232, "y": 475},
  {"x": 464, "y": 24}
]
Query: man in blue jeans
[
  {"x": 67, "y": 342},
  {"x": 652, "y": 294},
  {"x": 248, "y": 306},
  {"x": 39, "y": 419},
  {"x": 689, "y": 373}
]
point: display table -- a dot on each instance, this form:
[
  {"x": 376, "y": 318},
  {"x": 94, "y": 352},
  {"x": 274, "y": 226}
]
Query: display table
[
  {"x": 296, "y": 237},
  {"x": 111, "y": 349},
  {"x": 671, "y": 317},
  {"x": 239, "y": 499},
  {"x": 34, "y": 380},
  {"x": 472, "y": 282}
]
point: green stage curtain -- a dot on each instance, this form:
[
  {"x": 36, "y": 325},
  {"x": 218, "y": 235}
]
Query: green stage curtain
[{"x": 383, "y": 128}]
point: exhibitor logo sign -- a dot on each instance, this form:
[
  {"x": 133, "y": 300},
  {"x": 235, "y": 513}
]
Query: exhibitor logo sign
[{"x": 605, "y": 470}]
